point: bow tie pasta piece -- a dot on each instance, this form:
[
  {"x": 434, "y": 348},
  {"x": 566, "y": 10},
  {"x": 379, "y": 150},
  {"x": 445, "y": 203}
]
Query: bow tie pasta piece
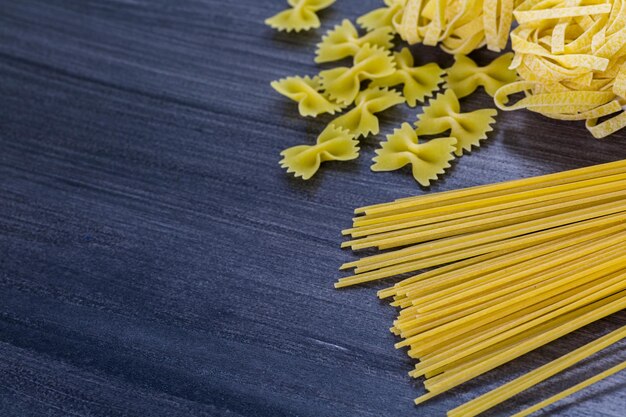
[
  {"x": 428, "y": 160},
  {"x": 464, "y": 77},
  {"x": 385, "y": 16},
  {"x": 361, "y": 121},
  {"x": 301, "y": 16},
  {"x": 344, "y": 41},
  {"x": 307, "y": 93},
  {"x": 343, "y": 84},
  {"x": 443, "y": 113},
  {"x": 419, "y": 82},
  {"x": 333, "y": 144}
]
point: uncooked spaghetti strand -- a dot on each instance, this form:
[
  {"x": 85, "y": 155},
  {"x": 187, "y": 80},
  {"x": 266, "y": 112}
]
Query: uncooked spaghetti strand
[
  {"x": 456, "y": 243},
  {"x": 445, "y": 258},
  {"x": 506, "y": 391},
  {"x": 418, "y": 234},
  {"x": 490, "y": 201},
  {"x": 604, "y": 308},
  {"x": 538, "y": 181},
  {"x": 578, "y": 387},
  {"x": 433, "y": 282},
  {"x": 369, "y": 232},
  {"x": 614, "y": 284}
]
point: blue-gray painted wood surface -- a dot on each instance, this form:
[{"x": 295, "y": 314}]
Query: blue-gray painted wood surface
[{"x": 156, "y": 261}]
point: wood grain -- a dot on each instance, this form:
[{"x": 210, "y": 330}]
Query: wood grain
[{"x": 156, "y": 261}]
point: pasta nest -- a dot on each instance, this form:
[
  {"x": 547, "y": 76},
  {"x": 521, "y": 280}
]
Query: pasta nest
[{"x": 570, "y": 56}]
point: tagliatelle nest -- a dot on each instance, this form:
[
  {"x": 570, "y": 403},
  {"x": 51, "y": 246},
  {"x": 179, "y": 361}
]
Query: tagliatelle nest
[{"x": 571, "y": 57}]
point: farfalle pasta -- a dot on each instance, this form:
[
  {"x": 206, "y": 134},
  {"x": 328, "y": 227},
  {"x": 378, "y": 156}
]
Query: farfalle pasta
[
  {"x": 460, "y": 26},
  {"x": 570, "y": 57},
  {"x": 333, "y": 144},
  {"x": 390, "y": 16},
  {"x": 343, "y": 84},
  {"x": 301, "y": 16},
  {"x": 343, "y": 41},
  {"x": 443, "y": 114},
  {"x": 307, "y": 92},
  {"x": 465, "y": 76},
  {"x": 361, "y": 120},
  {"x": 427, "y": 160},
  {"x": 418, "y": 82}
]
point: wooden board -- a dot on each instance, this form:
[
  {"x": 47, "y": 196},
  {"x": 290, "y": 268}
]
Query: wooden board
[{"x": 156, "y": 261}]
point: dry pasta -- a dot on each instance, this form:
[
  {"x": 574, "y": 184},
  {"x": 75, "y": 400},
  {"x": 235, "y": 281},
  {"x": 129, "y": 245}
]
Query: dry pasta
[
  {"x": 343, "y": 41},
  {"x": 344, "y": 83},
  {"x": 418, "y": 82},
  {"x": 300, "y": 16},
  {"x": 464, "y": 77},
  {"x": 427, "y": 160},
  {"x": 443, "y": 113},
  {"x": 570, "y": 57},
  {"x": 361, "y": 120},
  {"x": 390, "y": 16},
  {"x": 333, "y": 144},
  {"x": 307, "y": 92},
  {"x": 459, "y": 26},
  {"x": 515, "y": 265}
]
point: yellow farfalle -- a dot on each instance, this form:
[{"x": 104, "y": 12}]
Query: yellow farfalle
[
  {"x": 333, "y": 144},
  {"x": 301, "y": 16},
  {"x": 390, "y": 16},
  {"x": 344, "y": 41},
  {"x": 361, "y": 120},
  {"x": 343, "y": 84},
  {"x": 428, "y": 160},
  {"x": 419, "y": 82},
  {"x": 307, "y": 93},
  {"x": 464, "y": 77},
  {"x": 443, "y": 113}
]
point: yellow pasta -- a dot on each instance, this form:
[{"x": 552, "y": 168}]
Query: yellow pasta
[
  {"x": 515, "y": 266},
  {"x": 301, "y": 16},
  {"x": 540, "y": 374},
  {"x": 586, "y": 383},
  {"x": 443, "y": 113},
  {"x": 464, "y": 77},
  {"x": 570, "y": 57},
  {"x": 307, "y": 92},
  {"x": 460, "y": 26},
  {"x": 344, "y": 41},
  {"x": 390, "y": 16},
  {"x": 418, "y": 82},
  {"x": 427, "y": 160},
  {"x": 343, "y": 84},
  {"x": 361, "y": 120},
  {"x": 333, "y": 144}
]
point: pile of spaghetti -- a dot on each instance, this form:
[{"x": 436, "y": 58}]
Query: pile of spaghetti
[{"x": 514, "y": 266}]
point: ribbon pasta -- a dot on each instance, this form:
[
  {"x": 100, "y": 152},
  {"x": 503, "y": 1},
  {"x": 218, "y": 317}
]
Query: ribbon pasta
[
  {"x": 427, "y": 160},
  {"x": 301, "y": 16},
  {"x": 460, "y": 26},
  {"x": 570, "y": 56},
  {"x": 361, "y": 121},
  {"x": 333, "y": 144}
]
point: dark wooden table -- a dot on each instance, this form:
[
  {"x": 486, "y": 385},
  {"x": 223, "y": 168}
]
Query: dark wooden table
[{"x": 156, "y": 261}]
